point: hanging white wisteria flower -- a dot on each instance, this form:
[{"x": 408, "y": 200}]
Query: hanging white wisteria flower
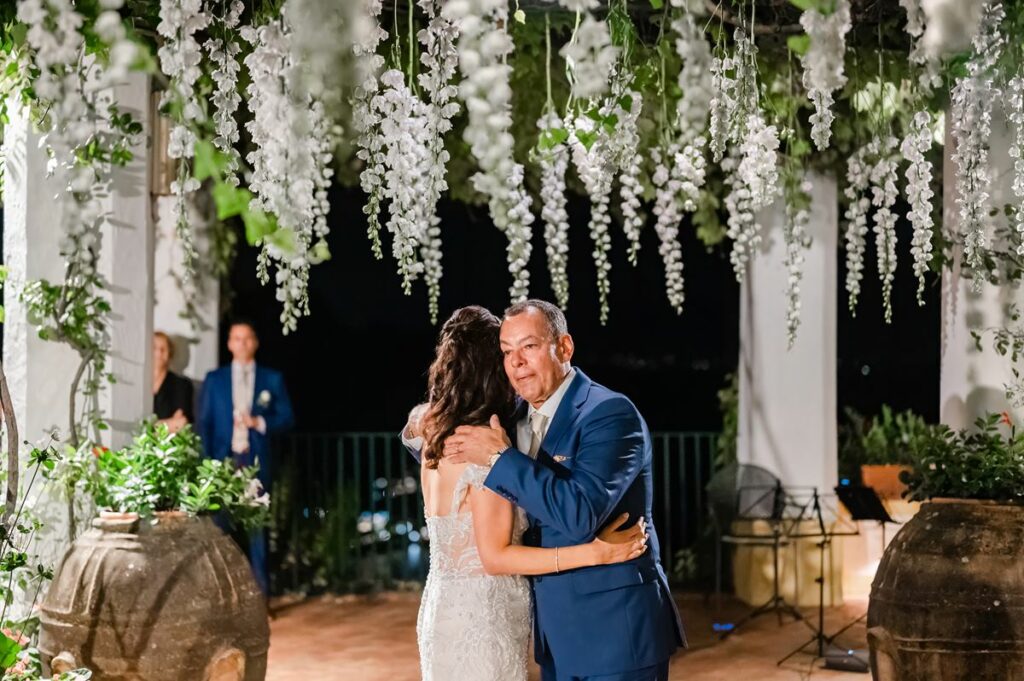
[
  {"x": 484, "y": 45},
  {"x": 55, "y": 38},
  {"x": 591, "y": 57},
  {"x": 723, "y": 104},
  {"x": 408, "y": 171},
  {"x": 858, "y": 179},
  {"x": 554, "y": 161},
  {"x": 180, "y": 57},
  {"x": 669, "y": 216},
  {"x": 798, "y": 217},
  {"x": 754, "y": 184},
  {"x": 224, "y": 51},
  {"x": 692, "y": 109},
  {"x": 929, "y": 78},
  {"x": 915, "y": 146},
  {"x": 1015, "y": 114},
  {"x": 625, "y": 149},
  {"x": 823, "y": 71},
  {"x": 883, "y": 197},
  {"x": 596, "y": 169},
  {"x": 366, "y": 124},
  {"x": 290, "y": 166},
  {"x": 441, "y": 61},
  {"x": 971, "y": 105},
  {"x": 734, "y": 93}
]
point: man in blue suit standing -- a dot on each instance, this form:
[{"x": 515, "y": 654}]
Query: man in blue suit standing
[
  {"x": 240, "y": 407},
  {"x": 581, "y": 457}
]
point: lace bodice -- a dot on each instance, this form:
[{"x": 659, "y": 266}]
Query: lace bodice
[
  {"x": 453, "y": 549},
  {"x": 472, "y": 626}
]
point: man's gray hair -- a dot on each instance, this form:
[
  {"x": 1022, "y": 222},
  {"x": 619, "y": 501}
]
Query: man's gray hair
[{"x": 553, "y": 315}]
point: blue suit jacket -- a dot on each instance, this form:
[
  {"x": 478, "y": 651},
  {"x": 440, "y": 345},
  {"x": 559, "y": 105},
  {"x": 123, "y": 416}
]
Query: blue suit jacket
[
  {"x": 594, "y": 464},
  {"x": 216, "y": 419}
]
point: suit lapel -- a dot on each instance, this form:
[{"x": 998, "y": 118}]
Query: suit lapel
[{"x": 567, "y": 413}]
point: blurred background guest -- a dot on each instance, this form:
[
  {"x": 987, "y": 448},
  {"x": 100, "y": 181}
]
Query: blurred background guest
[{"x": 172, "y": 393}]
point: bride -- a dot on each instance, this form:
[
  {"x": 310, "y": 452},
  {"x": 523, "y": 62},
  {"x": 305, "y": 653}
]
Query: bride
[{"x": 475, "y": 615}]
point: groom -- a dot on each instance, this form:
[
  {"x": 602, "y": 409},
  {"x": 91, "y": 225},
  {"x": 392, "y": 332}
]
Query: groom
[{"x": 582, "y": 456}]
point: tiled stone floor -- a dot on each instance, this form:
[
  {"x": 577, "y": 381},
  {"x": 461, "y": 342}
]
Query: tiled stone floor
[{"x": 374, "y": 639}]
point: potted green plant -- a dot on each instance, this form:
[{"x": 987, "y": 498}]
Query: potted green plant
[
  {"x": 884, "y": 447},
  {"x": 155, "y": 586},
  {"x": 943, "y": 601}
]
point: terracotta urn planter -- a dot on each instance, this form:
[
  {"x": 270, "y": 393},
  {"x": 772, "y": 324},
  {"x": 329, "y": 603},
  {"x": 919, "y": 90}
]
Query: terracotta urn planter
[
  {"x": 166, "y": 600},
  {"x": 946, "y": 600},
  {"x": 884, "y": 479}
]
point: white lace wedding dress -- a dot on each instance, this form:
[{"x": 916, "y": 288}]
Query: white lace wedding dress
[{"x": 471, "y": 626}]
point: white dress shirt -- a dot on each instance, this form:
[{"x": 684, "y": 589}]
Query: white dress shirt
[{"x": 524, "y": 436}]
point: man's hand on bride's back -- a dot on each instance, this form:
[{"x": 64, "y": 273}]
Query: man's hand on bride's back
[{"x": 616, "y": 546}]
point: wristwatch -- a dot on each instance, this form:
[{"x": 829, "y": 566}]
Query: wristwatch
[{"x": 494, "y": 457}]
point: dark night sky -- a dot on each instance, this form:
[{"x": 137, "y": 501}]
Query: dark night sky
[{"x": 358, "y": 363}]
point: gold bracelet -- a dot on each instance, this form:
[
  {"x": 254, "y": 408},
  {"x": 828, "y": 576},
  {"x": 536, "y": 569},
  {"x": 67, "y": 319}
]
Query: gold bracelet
[{"x": 556, "y": 560}]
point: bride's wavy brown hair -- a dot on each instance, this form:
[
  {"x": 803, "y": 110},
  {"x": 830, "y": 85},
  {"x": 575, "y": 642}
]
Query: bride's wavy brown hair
[{"x": 467, "y": 381}]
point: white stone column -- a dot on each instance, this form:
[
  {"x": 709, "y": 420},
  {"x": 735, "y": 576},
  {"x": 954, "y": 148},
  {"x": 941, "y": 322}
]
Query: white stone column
[
  {"x": 971, "y": 382},
  {"x": 787, "y": 406},
  {"x": 126, "y": 261},
  {"x": 196, "y": 349}
]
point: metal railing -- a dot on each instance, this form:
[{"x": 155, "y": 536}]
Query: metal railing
[{"x": 348, "y": 510}]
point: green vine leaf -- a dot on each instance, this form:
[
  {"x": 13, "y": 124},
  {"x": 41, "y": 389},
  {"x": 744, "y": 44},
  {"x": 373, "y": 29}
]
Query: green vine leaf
[{"x": 799, "y": 44}]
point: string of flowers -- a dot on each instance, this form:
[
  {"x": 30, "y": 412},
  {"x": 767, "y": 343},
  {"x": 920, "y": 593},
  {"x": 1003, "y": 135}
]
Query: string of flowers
[
  {"x": 797, "y": 190},
  {"x": 823, "y": 65},
  {"x": 692, "y": 109},
  {"x": 858, "y": 179},
  {"x": 626, "y": 151},
  {"x": 595, "y": 167},
  {"x": 668, "y": 217},
  {"x": 553, "y": 159},
  {"x": 484, "y": 45},
  {"x": 290, "y": 166},
  {"x": 753, "y": 186},
  {"x": 365, "y": 122},
  {"x": 223, "y": 51},
  {"x": 971, "y": 105},
  {"x": 590, "y": 57},
  {"x": 915, "y": 145},
  {"x": 441, "y": 61},
  {"x": 408, "y": 171},
  {"x": 883, "y": 197},
  {"x": 180, "y": 58},
  {"x": 1015, "y": 114}
]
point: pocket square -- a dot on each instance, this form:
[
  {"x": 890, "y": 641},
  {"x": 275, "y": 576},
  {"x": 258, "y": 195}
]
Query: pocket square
[{"x": 559, "y": 458}]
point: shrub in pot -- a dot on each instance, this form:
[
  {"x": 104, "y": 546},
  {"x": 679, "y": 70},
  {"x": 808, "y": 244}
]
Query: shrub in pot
[
  {"x": 154, "y": 590},
  {"x": 944, "y": 601}
]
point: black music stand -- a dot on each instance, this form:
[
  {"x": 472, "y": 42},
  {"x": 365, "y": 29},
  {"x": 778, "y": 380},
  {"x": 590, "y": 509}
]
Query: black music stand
[
  {"x": 825, "y": 540},
  {"x": 863, "y": 503}
]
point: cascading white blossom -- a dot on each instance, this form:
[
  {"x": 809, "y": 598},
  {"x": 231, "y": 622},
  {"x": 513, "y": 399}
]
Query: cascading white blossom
[
  {"x": 580, "y": 5},
  {"x": 55, "y": 38},
  {"x": 1015, "y": 114},
  {"x": 929, "y": 78},
  {"x": 625, "y": 150},
  {"x": 858, "y": 180},
  {"x": 484, "y": 45},
  {"x": 915, "y": 146},
  {"x": 883, "y": 197},
  {"x": 754, "y": 184},
  {"x": 591, "y": 58},
  {"x": 290, "y": 161},
  {"x": 365, "y": 122},
  {"x": 441, "y": 61},
  {"x": 692, "y": 109},
  {"x": 668, "y": 213},
  {"x": 734, "y": 93},
  {"x": 408, "y": 171},
  {"x": 971, "y": 106},
  {"x": 180, "y": 58},
  {"x": 596, "y": 169},
  {"x": 823, "y": 71},
  {"x": 223, "y": 51},
  {"x": 797, "y": 242},
  {"x": 553, "y": 164}
]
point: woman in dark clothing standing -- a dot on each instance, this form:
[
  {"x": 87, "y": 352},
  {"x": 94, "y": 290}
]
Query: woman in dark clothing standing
[{"x": 172, "y": 394}]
